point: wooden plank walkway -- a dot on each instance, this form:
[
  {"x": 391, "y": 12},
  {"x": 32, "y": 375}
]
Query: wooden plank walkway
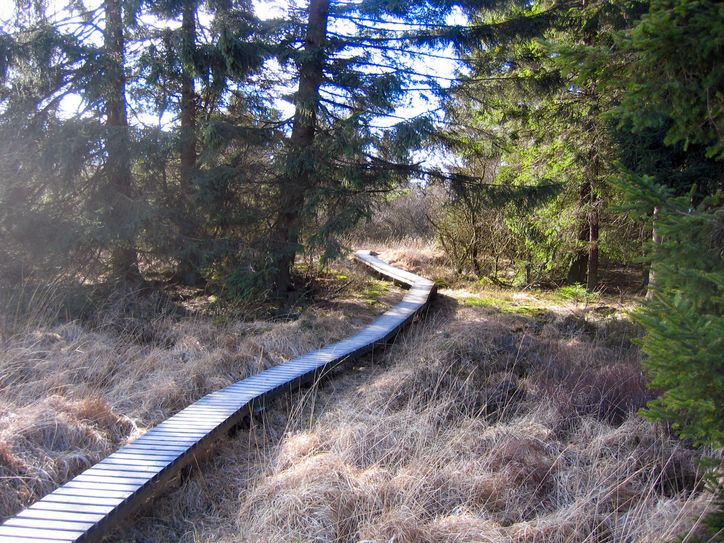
[{"x": 93, "y": 504}]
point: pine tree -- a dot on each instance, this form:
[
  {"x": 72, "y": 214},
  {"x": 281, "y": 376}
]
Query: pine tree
[
  {"x": 200, "y": 75},
  {"x": 671, "y": 109},
  {"x": 537, "y": 91},
  {"x": 348, "y": 76},
  {"x": 300, "y": 167},
  {"x": 80, "y": 175},
  {"x": 119, "y": 195},
  {"x": 48, "y": 162},
  {"x": 189, "y": 266}
]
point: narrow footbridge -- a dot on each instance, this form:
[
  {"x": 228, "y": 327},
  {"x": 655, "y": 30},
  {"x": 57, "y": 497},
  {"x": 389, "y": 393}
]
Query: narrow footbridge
[{"x": 96, "y": 502}]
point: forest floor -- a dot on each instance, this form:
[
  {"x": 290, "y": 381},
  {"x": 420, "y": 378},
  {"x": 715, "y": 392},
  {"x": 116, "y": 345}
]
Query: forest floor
[{"x": 501, "y": 416}]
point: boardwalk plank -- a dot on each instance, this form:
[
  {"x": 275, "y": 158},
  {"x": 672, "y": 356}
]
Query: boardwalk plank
[
  {"x": 68, "y": 499},
  {"x": 65, "y": 525},
  {"x": 33, "y": 534},
  {"x": 50, "y": 507},
  {"x": 61, "y": 515}
]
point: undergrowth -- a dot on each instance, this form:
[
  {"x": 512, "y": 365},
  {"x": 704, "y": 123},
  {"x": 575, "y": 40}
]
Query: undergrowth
[
  {"x": 479, "y": 425},
  {"x": 502, "y": 417},
  {"x": 72, "y": 391}
]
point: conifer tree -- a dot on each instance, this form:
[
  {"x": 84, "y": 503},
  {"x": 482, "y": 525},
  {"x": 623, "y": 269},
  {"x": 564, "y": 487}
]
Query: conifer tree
[
  {"x": 48, "y": 162},
  {"x": 671, "y": 111},
  {"x": 352, "y": 66},
  {"x": 534, "y": 91},
  {"x": 299, "y": 168},
  {"x": 199, "y": 73},
  {"x": 119, "y": 195},
  {"x": 190, "y": 261},
  {"x": 167, "y": 71},
  {"x": 81, "y": 174}
]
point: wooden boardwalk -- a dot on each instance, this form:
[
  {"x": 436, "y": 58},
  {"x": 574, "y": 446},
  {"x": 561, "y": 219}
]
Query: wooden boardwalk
[{"x": 93, "y": 504}]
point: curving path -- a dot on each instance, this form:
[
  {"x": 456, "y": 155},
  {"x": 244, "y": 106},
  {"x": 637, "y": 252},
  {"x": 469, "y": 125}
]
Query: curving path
[{"x": 90, "y": 506}]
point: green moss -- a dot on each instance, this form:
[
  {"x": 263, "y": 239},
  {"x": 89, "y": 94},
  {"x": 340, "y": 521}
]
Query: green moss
[
  {"x": 482, "y": 302},
  {"x": 503, "y": 305},
  {"x": 374, "y": 291},
  {"x": 576, "y": 293}
]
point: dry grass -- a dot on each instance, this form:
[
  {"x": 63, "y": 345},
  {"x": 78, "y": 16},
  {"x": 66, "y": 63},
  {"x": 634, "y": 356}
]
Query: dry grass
[
  {"x": 512, "y": 421},
  {"x": 51, "y": 440},
  {"x": 475, "y": 427},
  {"x": 72, "y": 393}
]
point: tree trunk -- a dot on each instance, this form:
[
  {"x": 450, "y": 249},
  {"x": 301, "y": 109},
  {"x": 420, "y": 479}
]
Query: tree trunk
[
  {"x": 189, "y": 260},
  {"x": 299, "y": 175},
  {"x": 657, "y": 239},
  {"x": 124, "y": 260},
  {"x": 593, "y": 221},
  {"x": 188, "y": 94},
  {"x": 577, "y": 273},
  {"x": 594, "y": 216}
]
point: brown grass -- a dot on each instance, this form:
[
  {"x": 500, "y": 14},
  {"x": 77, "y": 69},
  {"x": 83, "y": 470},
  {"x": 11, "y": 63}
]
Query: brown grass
[
  {"x": 72, "y": 393},
  {"x": 462, "y": 432},
  {"x": 418, "y": 255},
  {"x": 51, "y": 440},
  {"x": 481, "y": 424}
]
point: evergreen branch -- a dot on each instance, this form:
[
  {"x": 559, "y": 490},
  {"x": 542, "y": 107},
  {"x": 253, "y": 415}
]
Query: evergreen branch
[
  {"x": 364, "y": 40},
  {"x": 398, "y": 69},
  {"x": 458, "y": 178},
  {"x": 407, "y": 51},
  {"x": 358, "y": 109},
  {"x": 399, "y": 23}
]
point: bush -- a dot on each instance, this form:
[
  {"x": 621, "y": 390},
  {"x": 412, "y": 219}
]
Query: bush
[{"x": 402, "y": 215}]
